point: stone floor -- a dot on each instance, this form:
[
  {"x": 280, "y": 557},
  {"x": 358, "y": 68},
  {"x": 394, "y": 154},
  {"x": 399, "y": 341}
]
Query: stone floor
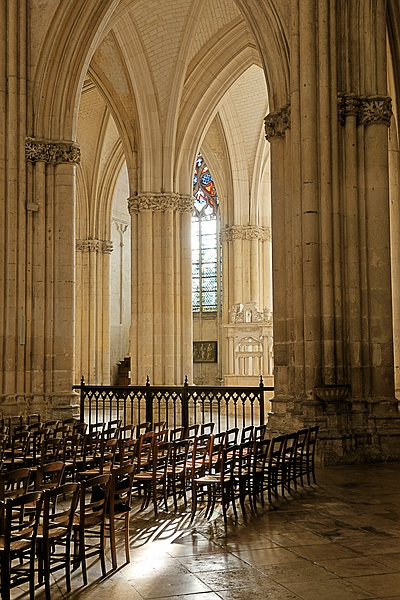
[{"x": 339, "y": 540}]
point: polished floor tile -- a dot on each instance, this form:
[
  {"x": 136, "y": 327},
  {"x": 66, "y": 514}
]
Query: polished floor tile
[{"x": 338, "y": 540}]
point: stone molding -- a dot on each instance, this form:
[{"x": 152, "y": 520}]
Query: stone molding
[
  {"x": 52, "y": 152},
  {"x": 367, "y": 109},
  {"x": 277, "y": 123},
  {"x": 94, "y": 245},
  {"x": 246, "y": 232},
  {"x": 164, "y": 201}
]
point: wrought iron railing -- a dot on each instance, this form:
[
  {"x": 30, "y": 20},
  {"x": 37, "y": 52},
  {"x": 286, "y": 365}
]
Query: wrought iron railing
[{"x": 177, "y": 405}]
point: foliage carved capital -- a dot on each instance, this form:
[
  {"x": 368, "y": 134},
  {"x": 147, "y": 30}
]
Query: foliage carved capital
[
  {"x": 366, "y": 109},
  {"x": 163, "y": 201},
  {"x": 277, "y": 123},
  {"x": 246, "y": 232},
  {"x": 52, "y": 152},
  {"x": 94, "y": 245}
]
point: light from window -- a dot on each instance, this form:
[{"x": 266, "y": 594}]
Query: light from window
[{"x": 205, "y": 240}]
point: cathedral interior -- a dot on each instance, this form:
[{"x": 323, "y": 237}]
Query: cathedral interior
[
  {"x": 209, "y": 191},
  {"x": 209, "y": 188}
]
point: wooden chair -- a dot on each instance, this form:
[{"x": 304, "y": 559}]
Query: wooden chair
[
  {"x": 18, "y": 542},
  {"x": 207, "y": 428},
  {"x": 51, "y": 424},
  {"x": 89, "y": 522},
  {"x": 50, "y": 475},
  {"x": 36, "y": 441},
  {"x": 119, "y": 506},
  {"x": 144, "y": 452},
  {"x": 176, "y": 470},
  {"x": 52, "y": 450},
  {"x": 178, "y": 433},
  {"x": 288, "y": 462},
  {"x": 85, "y": 458},
  {"x": 219, "y": 486},
  {"x": 242, "y": 472},
  {"x": 299, "y": 458},
  {"x": 14, "y": 483},
  {"x": 142, "y": 428},
  {"x": 259, "y": 432},
  {"x": 71, "y": 451},
  {"x": 273, "y": 466},
  {"x": 127, "y": 432},
  {"x": 15, "y": 456},
  {"x": 159, "y": 426},
  {"x": 59, "y": 507},
  {"x": 247, "y": 434},
  {"x": 97, "y": 427},
  {"x": 33, "y": 419},
  {"x": 192, "y": 431},
  {"x": 103, "y": 460},
  {"x": 310, "y": 449},
  {"x": 258, "y": 471},
  {"x": 156, "y": 476},
  {"x": 199, "y": 461},
  {"x": 127, "y": 451}
]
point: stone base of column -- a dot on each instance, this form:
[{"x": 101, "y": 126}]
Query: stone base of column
[
  {"x": 351, "y": 431},
  {"x": 56, "y": 406}
]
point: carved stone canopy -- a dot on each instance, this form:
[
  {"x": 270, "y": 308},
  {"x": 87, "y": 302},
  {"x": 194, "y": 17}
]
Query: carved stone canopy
[{"x": 248, "y": 313}]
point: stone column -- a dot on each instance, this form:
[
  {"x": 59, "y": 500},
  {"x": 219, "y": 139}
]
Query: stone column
[
  {"x": 51, "y": 254},
  {"x": 161, "y": 335},
  {"x": 93, "y": 311}
]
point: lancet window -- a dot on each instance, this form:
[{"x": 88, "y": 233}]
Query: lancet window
[{"x": 206, "y": 247}]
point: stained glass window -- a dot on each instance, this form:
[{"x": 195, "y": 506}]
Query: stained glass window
[{"x": 206, "y": 252}]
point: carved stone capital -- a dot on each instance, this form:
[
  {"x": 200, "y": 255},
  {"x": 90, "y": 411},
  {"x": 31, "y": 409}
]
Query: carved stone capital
[
  {"x": 276, "y": 123},
  {"x": 246, "y": 232},
  {"x": 52, "y": 152},
  {"x": 376, "y": 109},
  {"x": 367, "y": 109},
  {"x": 94, "y": 245},
  {"x": 163, "y": 201}
]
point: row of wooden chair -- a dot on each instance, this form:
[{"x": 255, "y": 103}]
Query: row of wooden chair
[{"x": 38, "y": 526}]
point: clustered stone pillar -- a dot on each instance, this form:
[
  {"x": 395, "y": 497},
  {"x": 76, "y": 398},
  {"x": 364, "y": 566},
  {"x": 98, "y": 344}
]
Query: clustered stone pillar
[
  {"x": 161, "y": 329},
  {"x": 92, "y": 358},
  {"x": 333, "y": 322},
  {"x": 49, "y": 321},
  {"x": 246, "y": 258}
]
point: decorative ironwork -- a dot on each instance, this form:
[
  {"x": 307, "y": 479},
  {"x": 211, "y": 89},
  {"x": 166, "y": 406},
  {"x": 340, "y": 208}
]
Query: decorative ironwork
[{"x": 178, "y": 406}]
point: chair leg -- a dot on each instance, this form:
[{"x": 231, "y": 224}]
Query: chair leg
[
  {"x": 127, "y": 546},
  {"x": 5, "y": 577},
  {"x": 112, "y": 544},
  {"x": 68, "y": 563}
]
